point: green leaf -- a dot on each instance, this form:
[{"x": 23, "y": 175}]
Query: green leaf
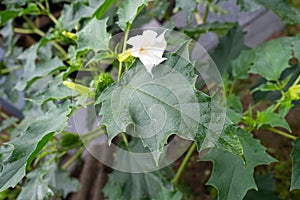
[
  {"x": 269, "y": 117},
  {"x": 242, "y": 64},
  {"x": 6, "y": 15},
  {"x": 217, "y": 27},
  {"x": 268, "y": 60},
  {"x": 234, "y": 109},
  {"x": 99, "y": 13},
  {"x": 47, "y": 180},
  {"x": 266, "y": 187},
  {"x": 55, "y": 91},
  {"x": 93, "y": 36},
  {"x": 229, "y": 48},
  {"x": 128, "y": 10},
  {"x": 269, "y": 86},
  {"x": 7, "y": 123},
  {"x": 188, "y": 7},
  {"x": 272, "y": 58},
  {"x": 136, "y": 186},
  {"x": 231, "y": 176},
  {"x": 60, "y": 181},
  {"x": 158, "y": 106},
  {"x": 295, "y": 183},
  {"x": 248, "y": 5},
  {"x": 288, "y": 14},
  {"x": 32, "y": 71},
  {"x": 36, "y": 187},
  {"x": 72, "y": 14},
  {"x": 27, "y": 145}
]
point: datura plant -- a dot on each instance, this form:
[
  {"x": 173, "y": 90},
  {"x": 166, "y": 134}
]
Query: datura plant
[{"x": 150, "y": 104}]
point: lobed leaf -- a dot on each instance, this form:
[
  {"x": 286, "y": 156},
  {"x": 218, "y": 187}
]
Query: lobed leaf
[
  {"x": 229, "y": 48},
  {"x": 268, "y": 60},
  {"x": 128, "y": 10},
  {"x": 153, "y": 108},
  {"x": 55, "y": 91},
  {"x": 135, "y": 186},
  {"x": 295, "y": 183},
  {"x": 188, "y": 7},
  {"x": 269, "y": 117},
  {"x": 33, "y": 71},
  {"x": 25, "y": 147},
  {"x": 36, "y": 187},
  {"x": 93, "y": 36},
  {"x": 231, "y": 176}
]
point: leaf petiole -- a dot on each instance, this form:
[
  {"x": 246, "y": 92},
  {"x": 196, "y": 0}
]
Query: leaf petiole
[
  {"x": 183, "y": 164},
  {"x": 282, "y": 133}
]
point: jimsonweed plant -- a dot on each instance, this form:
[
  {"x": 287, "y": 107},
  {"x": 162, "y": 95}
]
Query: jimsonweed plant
[{"x": 86, "y": 73}]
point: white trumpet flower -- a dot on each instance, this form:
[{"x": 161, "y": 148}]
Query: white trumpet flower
[{"x": 148, "y": 48}]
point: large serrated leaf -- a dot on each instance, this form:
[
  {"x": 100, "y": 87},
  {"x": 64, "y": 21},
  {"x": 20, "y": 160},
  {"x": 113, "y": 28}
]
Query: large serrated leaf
[
  {"x": 71, "y": 15},
  {"x": 93, "y": 36},
  {"x": 128, "y": 10},
  {"x": 55, "y": 91},
  {"x": 188, "y": 7},
  {"x": 268, "y": 117},
  {"x": 231, "y": 176},
  {"x": 34, "y": 71},
  {"x": 217, "y": 27},
  {"x": 27, "y": 145},
  {"x": 272, "y": 58},
  {"x": 266, "y": 188},
  {"x": 159, "y": 106},
  {"x": 288, "y": 14},
  {"x": 295, "y": 183},
  {"x": 229, "y": 48},
  {"x": 268, "y": 60},
  {"x": 146, "y": 102},
  {"x": 36, "y": 187},
  {"x": 60, "y": 181},
  {"x": 135, "y": 186}
]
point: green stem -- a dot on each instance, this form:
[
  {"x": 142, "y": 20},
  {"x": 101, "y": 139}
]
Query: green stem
[
  {"x": 121, "y": 71},
  {"x": 46, "y": 10},
  {"x": 42, "y": 34},
  {"x": 183, "y": 164},
  {"x": 296, "y": 81},
  {"x": 82, "y": 106},
  {"x": 5, "y": 116},
  {"x": 277, "y": 105},
  {"x": 282, "y": 133},
  {"x": 198, "y": 17},
  {"x": 205, "y": 14},
  {"x": 73, "y": 158},
  {"x": 87, "y": 139},
  {"x": 91, "y": 132},
  {"x": 23, "y": 31},
  {"x": 123, "y": 49},
  {"x": 8, "y": 70}
]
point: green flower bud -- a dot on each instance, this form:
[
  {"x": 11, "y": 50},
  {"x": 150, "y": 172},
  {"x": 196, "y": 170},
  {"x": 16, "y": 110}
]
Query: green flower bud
[
  {"x": 69, "y": 140},
  {"x": 294, "y": 92},
  {"x": 102, "y": 82}
]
